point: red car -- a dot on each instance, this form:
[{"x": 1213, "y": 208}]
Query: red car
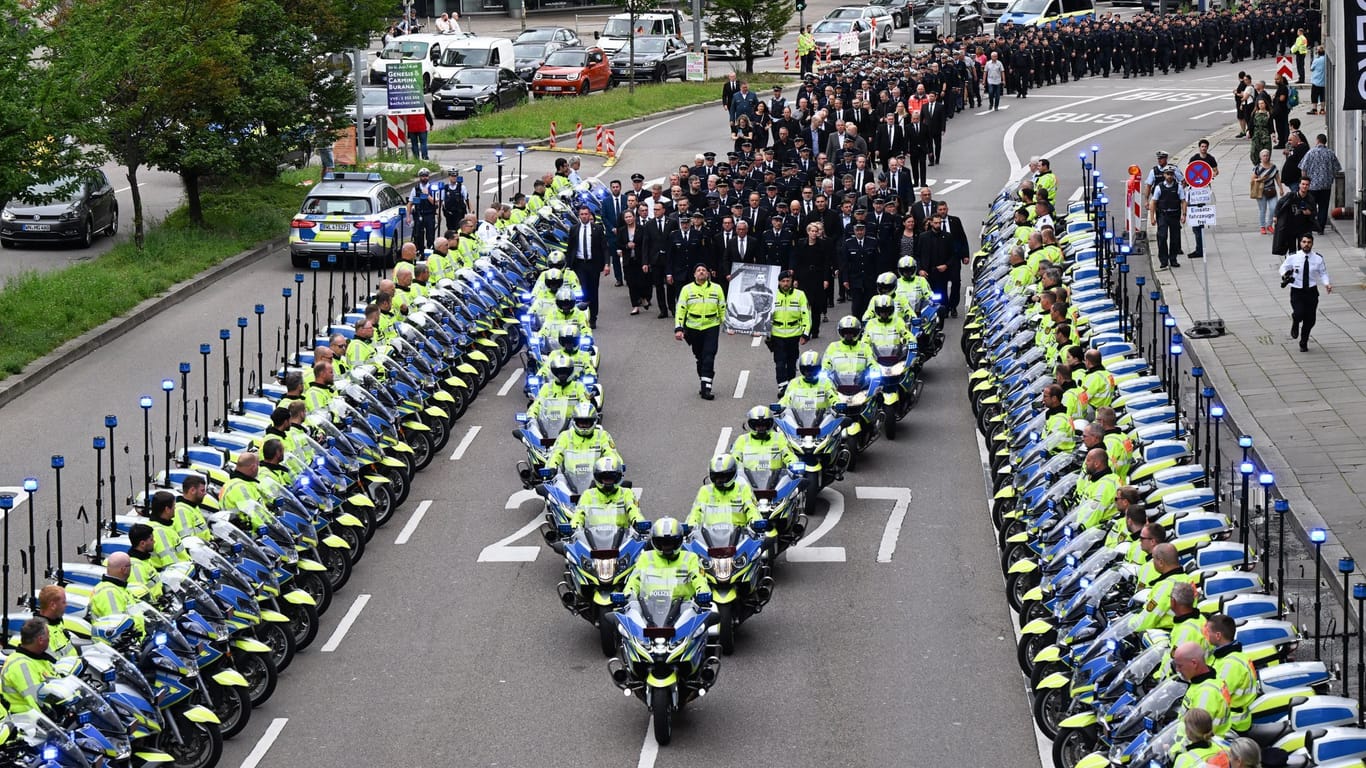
[{"x": 573, "y": 71}]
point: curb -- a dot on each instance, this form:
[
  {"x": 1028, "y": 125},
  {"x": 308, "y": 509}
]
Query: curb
[
  {"x": 1304, "y": 515},
  {"x": 45, "y": 367}
]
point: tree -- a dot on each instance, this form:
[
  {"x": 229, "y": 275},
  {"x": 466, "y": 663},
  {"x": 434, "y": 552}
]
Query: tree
[
  {"x": 753, "y": 25},
  {"x": 33, "y": 144}
]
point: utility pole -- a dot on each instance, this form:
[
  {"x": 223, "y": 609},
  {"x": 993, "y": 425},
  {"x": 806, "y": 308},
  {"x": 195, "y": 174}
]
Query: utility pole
[
  {"x": 357, "y": 67},
  {"x": 697, "y": 25}
]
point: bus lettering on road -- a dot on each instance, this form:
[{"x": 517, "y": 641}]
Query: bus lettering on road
[{"x": 1083, "y": 117}]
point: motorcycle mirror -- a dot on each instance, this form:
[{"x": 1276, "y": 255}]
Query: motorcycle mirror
[
  {"x": 191, "y": 604},
  {"x": 618, "y": 598},
  {"x": 565, "y": 529},
  {"x": 627, "y": 484},
  {"x": 641, "y": 526},
  {"x": 262, "y": 530},
  {"x": 759, "y": 526},
  {"x": 687, "y": 529}
]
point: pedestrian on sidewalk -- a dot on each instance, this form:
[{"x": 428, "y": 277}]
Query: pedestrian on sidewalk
[
  {"x": 1242, "y": 103},
  {"x": 1304, "y": 271},
  {"x": 1318, "y": 80},
  {"x": 1295, "y": 217},
  {"x": 1168, "y": 210},
  {"x": 1321, "y": 166},
  {"x": 1202, "y": 154},
  {"x": 1300, "y": 48},
  {"x": 1280, "y": 110},
  {"x": 1259, "y": 124},
  {"x": 1267, "y": 188}
]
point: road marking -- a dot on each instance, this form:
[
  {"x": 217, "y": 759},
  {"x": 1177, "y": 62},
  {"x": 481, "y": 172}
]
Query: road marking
[
  {"x": 740, "y": 384},
  {"x": 803, "y": 552},
  {"x": 501, "y": 551},
  {"x": 121, "y": 190},
  {"x": 264, "y": 744},
  {"x": 1108, "y": 128},
  {"x": 352, "y": 614},
  {"x": 757, "y": 341},
  {"x": 510, "y": 383},
  {"x": 623, "y": 145},
  {"x": 722, "y": 442},
  {"x": 464, "y": 443},
  {"x": 890, "y": 534},
  {"x": 952, "y": 184},
  {"x": 508, "y": 181},
  {"x": 1215, "y": 112},
  {"x": 413, "y": 521},
  {"x": 649, "y": 751},
  {"x": 1211, "y": 77},
  {"x": 1008, "y": 141},
  {"x": 989, "y": 111}
]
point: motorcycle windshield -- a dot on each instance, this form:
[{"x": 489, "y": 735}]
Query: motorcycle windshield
[
  {"x": 578, "y": 469},
  {"x": 603, "y": 532},
  {"x": 805, "y": 411},
  {"x": 657, "y": 602},
  {"x": 849, "y": 382},
  {"x": 79, "y": 697},
  {"x": 719, "y": 534},
  {"x": 762, "y": 478},
  {"x": 1118, "y": 631},
  {"x": 554, "y": 415}
]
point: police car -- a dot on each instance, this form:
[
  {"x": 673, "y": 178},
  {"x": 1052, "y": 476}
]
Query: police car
[{"x": 348, "y": 213}]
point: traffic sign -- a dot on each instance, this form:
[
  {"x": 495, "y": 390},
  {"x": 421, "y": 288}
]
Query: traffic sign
[
  {"x": 1285, "y": 67},
  {"x": 1199, "y": 196},
  {"x": 1201, "y": 216},
  {"x": 1198, "y": 174}
]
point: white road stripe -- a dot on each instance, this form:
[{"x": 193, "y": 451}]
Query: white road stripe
[
  {"x": 121, "y": 190},
  {"x": 513, "y": 379},
  {"x": 411, "y": 525},
  {"x": 464, "y": 444},
  {"x": 757, "y": 341},
  {"x": 722, "y": 442},
  {"x": 989, "y": 111},
  {"x": 649, "y": 751},
  {"x": 263, "y": 745},
  {"x": 740, "y": 384},
  {"x": 623, "y": 145},
  {"x": 352, "y": 614}
]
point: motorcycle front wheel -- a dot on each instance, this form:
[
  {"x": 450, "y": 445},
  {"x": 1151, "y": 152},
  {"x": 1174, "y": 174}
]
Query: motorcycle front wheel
[
  {"x": 200, "y": 744},
  {"x": 303, "y": 622},
  {"x": 726, "y": 627},
  {"x": 259, "y": 670},
  {"x": 423, "y": 453},
  {"x": 281, "y": 642},
  {"x": 232, "y": 704},
  {"x": 318, "y": 586},
  {"x": 338, "y": 561},
  {"x": 660, "y": 708},
  {"x": 1071, "y": 745},
  {"x": 607, "y": 631}
]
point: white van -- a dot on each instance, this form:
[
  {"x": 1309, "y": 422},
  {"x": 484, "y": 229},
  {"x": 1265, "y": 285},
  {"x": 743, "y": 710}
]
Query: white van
[
  {"x": 424, "y": 48},
  {"x": 473, "y": 52},
  {"x": 617, "y": 32}
]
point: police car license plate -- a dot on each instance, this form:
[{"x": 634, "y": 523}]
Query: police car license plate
[
  {"x": 37, "y": 227},
  {"x": 342, "y": 227}
]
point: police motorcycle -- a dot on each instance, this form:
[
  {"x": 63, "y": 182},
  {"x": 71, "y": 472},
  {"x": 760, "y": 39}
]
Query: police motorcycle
[
  {"x": 900, "y": 368},
  {"x": 780, "y": 491},
  {"x": 738, "y": 570},
  {"x": 31, "y": 739},
  {"x": 561, "y": 488},
  {"x": 665, "y": 659},
  {"x": 75, "y": 707},
  {"x": 860, "y": 401},
  {"x": 538, "y": 434},
  {"x": 581, "y": 350},
  {"x": 816, "y": 436},
  {"x": 599, "y": 558}
]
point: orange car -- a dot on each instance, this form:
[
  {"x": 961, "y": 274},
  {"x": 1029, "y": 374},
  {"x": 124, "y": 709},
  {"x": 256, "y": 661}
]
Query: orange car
[{"x": 575, "y": 70}]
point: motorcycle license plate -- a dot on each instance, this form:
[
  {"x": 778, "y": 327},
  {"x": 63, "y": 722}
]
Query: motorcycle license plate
[
  {"x": 342, "y": 227},
  {"x": 37, "y": 227}
]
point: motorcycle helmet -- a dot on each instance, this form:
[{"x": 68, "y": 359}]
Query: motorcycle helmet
[
  {"x": 569, "y": 337},
  {"x": 850, "y": 329},
  {"x": 666, "y": 537},
  {"x": 607, "y": 473},
  {"x": 809, "y": 365},
  {"x": 907, "y": 267},
  {"x": 760, "y": 421},
  {"x": 886, "y": 283},
  {"x": 564, "y": 300},
  {"x": 561, "y": 367},
  {"x": 722, "y": 471},
  {"x": 883, "y": 306},
  {"x": 554, "y": 280},
  {"x": 585, "y": 419},
  {"x": 556, "y": 260}
]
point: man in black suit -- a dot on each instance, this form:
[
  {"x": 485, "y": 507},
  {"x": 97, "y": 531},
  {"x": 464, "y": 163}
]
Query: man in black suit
[
  {"x": 959, "y": 253},
  {"x": 891, "y": 140},
  {"x": 917, "y": 146},
  {"x": 933, "y": 256},
  {"x": 612, "y": 208},
  {"x": 935, "y": 119},
  {"x": 587, "y": 255},
  {"x": 900, "y": 183},
  {"x": 655, "y": 239},
  {"x": 922, "y": 209},
  {"x": 687, "y": 248}
]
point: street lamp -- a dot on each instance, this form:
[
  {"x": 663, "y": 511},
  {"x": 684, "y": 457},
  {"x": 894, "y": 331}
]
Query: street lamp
[
  {"x": 331, "y": 290},
  {"x": 1216, "y": 411},
  {"x": 1266, "y": 480},
  {"x": 224, "y": 334},
  {"x": 1169, "y": 327},
  {"x": 521, "y": 155},
  {"x": 313, "y": 265},
  {"x": 1208, "y": 394},
  {"x": 145, "y": 403},
  {"x": 58, "y": 462},
  {"x": 168, "y": 386},
  {"x": 260, "y": 310},
  {"x": 1282, "y": 508},
  {"x": 1245, "y": 442},
  {"x": 241, "y": 361},
  {"x": 1136, "y": 323},
  {"x": 498, "y": 160},
  {"x": 1359, "y": 592},
  {"x": 31, "y": 488},
  {"x": 1345, "y": 567},
  {"x": 110, "y": 422},
  {"x": 1316, "y": 537},
  {"x": 479, "y": 187},
  {"x": 287, "y": 292},
  {"x": 1246, "y": 469}
]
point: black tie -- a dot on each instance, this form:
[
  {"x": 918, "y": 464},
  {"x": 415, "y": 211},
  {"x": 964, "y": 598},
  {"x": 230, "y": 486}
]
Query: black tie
[
  {"x": 926, "y": 206},
  {"x": 584, "y": 250},
  {"x": 1304, "y": 281}
]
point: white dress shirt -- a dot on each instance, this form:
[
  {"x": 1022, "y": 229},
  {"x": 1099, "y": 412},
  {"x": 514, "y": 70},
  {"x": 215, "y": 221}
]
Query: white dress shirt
[{"x": 1318, "y": 270}]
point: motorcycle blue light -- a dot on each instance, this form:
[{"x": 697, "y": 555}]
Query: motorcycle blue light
[
  {"x": 304, "y": 481},
  {"x": 1085, "y": 582},
  {"x": 937, "y": 296},
  {"x": 50, "y": 752},
  {"x": 159, "y": 639},
  {"x": 522, "y": 418},
  {"x": 1071, "y": 561},
  {"x": 110, "y": 675},
  {"x": 30, "y": 484},
  {"x": 83, "y": 718},
  {"x": 1111, "y": 644}
]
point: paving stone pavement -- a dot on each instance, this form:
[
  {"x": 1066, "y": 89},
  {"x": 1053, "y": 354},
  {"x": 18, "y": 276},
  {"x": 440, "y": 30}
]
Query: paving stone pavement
[{"x": 1305, "y": 410}]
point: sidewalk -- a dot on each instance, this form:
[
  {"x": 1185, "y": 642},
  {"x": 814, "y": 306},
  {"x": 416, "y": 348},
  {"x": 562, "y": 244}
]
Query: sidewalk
[{"x": 1304, "y": 410}]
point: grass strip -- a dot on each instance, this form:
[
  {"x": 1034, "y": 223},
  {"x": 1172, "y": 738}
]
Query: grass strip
[
  {"x": 532, "y": 120},
  {"x": 41, "y": 311}
]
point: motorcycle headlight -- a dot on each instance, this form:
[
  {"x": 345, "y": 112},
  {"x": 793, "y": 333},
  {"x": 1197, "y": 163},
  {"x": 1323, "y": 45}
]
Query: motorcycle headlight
[
  {"x": 722, "y": 568},
  {"x": 740, "y": 561},
  {"x": 605, "y": 568}
]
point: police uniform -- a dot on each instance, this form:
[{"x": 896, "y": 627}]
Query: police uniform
[
  {"x": 858, "y": 267},
  {"x": 699, "y": 315},
  {"x": 791, "y": 326},
  {"x": 422, "y": 207}
]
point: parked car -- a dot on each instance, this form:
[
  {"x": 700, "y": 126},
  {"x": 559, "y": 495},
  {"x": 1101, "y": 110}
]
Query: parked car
[
  {"x": 868, "y": 13},
  {"x": 658, "y": 58},
  {"x": 561, "y": 35},
  {"x": 375, "y": 107},
  {"x": 424, "y": 48},
  {"x": 476, "y": 89},
  {"x": 902, "y": 10},
  {"x": 574, "y": 70},
  {"x": 347, "y": 212},
  {"x": 827, "y": 34},
  {"x": 69, "y": 210},
  {"x": 473, "y": 51},
  {"x": 528, "y": 57},
  {"x": 718, "y": 47},
  {"x": 929, "y": 21},
  {"x": 617, "y": 30}
]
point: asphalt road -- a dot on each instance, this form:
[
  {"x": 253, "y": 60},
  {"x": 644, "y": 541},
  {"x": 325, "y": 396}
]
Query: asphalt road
[{"x": 462, "y": 655}]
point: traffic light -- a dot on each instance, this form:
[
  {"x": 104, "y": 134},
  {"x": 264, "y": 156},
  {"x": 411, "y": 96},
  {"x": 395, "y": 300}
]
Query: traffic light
[{"x": 801, "y": 5}]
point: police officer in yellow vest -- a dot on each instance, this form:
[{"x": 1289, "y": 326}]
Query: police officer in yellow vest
[
  {"x": 1021, "y": 275},
  {"x": 143, "y": 580},
  {"x": 698, "y": 317},
  {"x": 166, "y": 548},
  {"x": 1205, "y": 691},
  {"x": 1057, "y": 424},
  {"x": 1202, "y": 748},
  {"x": 189, "y": 512},
  {"x": 111, "y": 595},
  {"x": 52, "y": 606},
  {"x": 806, "y": 50},
  {"x": 1233, "y": 667},
  {"x": 1157, "y": 612},
  {"x": 1118, "y": 446},
  {"x": 1096, "y": 491},
  {"x": 1098, "y": 386},
  {"x": 1188, "y": 626},
  {"x": 27, "y": 667},
  {"x": 242, "y": 494},
  {"x": 791, "y": 328},
  {"x": 320, "y": 392},
  {"x": 1045, "y": 183}
]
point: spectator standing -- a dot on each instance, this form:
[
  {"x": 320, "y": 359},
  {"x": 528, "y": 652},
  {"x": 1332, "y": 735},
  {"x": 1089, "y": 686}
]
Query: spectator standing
[
  {"x": 1295, "y": 216},
  {"x": 728, "y": 91},
  {"x": 418, "y": 125},
  {"x": 1280, "y": 111},
  {"x": 1320, "y": 166},
  {"x": 1259, "y": 123},
  {"x": 1300, "y": 49},
  {"x": 1267, "y": 184},
  {"x": 806, "y": 49},
  {"x": 742, "y": 102},
  {"x": 1318, "y": 80},
  {"x": 994, "y": 75},
  {"x": 1295, "y": 151}
]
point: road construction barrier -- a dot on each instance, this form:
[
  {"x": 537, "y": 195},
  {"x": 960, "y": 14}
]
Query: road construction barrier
[
  {"x": 552, "y": 134},
  {"x": 597, "y": 144},
  {"x": 396, "y": 132},
  {"x": 578, "y": 137},
  {"x": 1133, "y": 205},
  {"x": 611, "y": 141},
  {"x": 1285, "y": 67}
]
